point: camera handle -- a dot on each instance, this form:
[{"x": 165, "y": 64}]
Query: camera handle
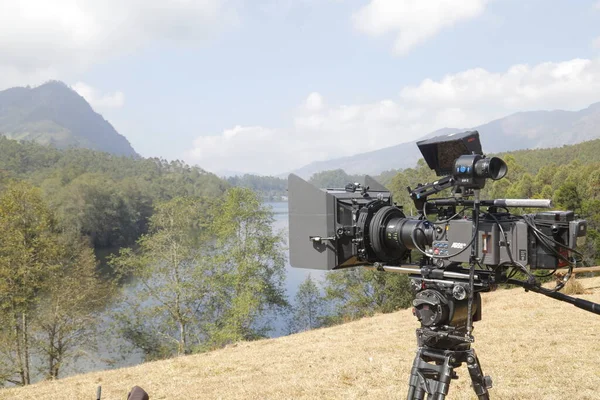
[{"x": 422, "y": 191}]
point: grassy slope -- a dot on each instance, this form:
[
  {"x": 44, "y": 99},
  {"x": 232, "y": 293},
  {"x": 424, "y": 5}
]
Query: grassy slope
[{"x": 531, "y": 345}]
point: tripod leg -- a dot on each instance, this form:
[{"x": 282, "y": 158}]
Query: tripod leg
[
  {"x": 415, "y": 392},
  {"x": 481, "y": 383},
  {"x": 443, "y": 380},
  {"x": 415, "y": 384}
]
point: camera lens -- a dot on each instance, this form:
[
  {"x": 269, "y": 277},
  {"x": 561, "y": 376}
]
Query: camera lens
[{"x": 392, "y": 235}]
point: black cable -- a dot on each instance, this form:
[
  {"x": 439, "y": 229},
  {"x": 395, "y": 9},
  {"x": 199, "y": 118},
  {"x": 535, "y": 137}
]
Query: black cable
[
  {"x": 531, "y": 223},
  {"x": 542, "y": 239}
]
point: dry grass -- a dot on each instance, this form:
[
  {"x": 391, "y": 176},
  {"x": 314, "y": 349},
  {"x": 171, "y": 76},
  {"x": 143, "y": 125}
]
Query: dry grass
[
  {"x": 533, "y": 347},
  {"x": 574, "y": 286}
]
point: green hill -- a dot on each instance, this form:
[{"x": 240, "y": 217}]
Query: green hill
[
  {"x": 533, "y": 160},
  {"x": 54, "y": 114},
  {"x": 109, "y": 198}
]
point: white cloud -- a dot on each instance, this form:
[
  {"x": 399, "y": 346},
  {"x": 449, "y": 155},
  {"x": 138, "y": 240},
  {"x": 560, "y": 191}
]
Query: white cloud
[
  {"x": 67, "y": 35},
  {"x": 98, "y": 100},
  {"x": 314, "y": 102},
  {"x": 247, "y": 149},
  {"x": 413, "y": 21},
  {"x": 462, "y": 100},
  {"x": 570, "y": 84}
]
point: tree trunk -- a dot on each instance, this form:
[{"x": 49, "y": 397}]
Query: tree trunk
[
  {"x": 19, "y": 350},
  {"x": 26, "y": 348},
  {"x": 51, "y": 353},
  {"x": 58, "y": 357},
  {"x": 182, "y": 339}
]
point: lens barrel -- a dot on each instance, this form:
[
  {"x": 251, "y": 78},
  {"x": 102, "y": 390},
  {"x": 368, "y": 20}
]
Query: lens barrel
[{"x": 392, "y": 235}]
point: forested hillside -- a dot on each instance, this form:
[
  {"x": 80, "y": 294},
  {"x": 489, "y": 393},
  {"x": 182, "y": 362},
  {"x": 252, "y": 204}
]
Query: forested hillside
[
  {"x": 105, "y": 197},
  {"x": 270, "y": 188}
]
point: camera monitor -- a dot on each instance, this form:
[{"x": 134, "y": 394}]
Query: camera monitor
[{"x": 440, "y": 152}]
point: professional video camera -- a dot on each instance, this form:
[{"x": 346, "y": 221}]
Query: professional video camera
[{"x": 359, "y": 225}]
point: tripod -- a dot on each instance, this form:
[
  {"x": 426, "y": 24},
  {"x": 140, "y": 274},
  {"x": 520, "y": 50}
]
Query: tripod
[{"x": 434, "y": 379}]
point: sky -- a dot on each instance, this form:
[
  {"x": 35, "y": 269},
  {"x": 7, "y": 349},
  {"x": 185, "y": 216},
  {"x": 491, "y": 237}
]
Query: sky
[{"x": 268, "y": 86}]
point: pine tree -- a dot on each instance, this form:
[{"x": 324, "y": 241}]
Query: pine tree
[{"x": 308, "y": 310}]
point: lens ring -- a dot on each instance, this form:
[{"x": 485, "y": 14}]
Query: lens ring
[{"x": 377, "y": 234}]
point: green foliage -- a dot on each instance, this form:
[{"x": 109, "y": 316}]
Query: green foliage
[
  {"x": 567, "y": 197},
  {"x": 166, "y": 268},
  {"x": 270, "y": 188},
  {"x": 73, "y": 297},
  {"x": 105, "y": 197},
  {"x": 533, "y": 160},
  {"x": 308, "y": 311},
  {"x": 333, "y": 179},
  {"x": 204, "y": 275},
  {"x": 26, "y": 226},
  {"x": 48, "y": 287},
  {"x": 251, "y": 263}
]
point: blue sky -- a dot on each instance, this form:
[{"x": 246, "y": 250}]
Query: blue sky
[{"x": 266, "y": 86}]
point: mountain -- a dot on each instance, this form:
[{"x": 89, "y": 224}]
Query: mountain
[
  {"x": 54, "y": 114},
  {"x": 523, "y": 130}
]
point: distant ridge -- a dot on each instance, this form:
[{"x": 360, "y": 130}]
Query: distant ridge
[
  {"x": 54, "y": 114},
  {"x": 523, "y": 130}
]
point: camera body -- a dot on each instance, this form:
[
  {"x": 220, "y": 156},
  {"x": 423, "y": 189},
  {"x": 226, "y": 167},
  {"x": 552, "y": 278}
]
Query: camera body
[{"x": 359, "y": 225}]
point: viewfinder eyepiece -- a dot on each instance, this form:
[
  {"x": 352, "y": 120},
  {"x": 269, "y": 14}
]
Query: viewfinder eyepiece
[
  {"x": 493, "y": 168},
  {"x": 471, "y": 171}
]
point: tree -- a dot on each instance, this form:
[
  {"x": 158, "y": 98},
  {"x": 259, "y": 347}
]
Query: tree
[
  {"x": 205, "y": 275},
  {"x": 170, "y": 288},
  {"x": 308, "y": 309},
  {"x": 250, "y": 263},
  {"x": 334, "y": 178},
  {"x": 26, "y": 248},
  {"x": 567, "y": 196},
  {"x": 66, "y": 318}
]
